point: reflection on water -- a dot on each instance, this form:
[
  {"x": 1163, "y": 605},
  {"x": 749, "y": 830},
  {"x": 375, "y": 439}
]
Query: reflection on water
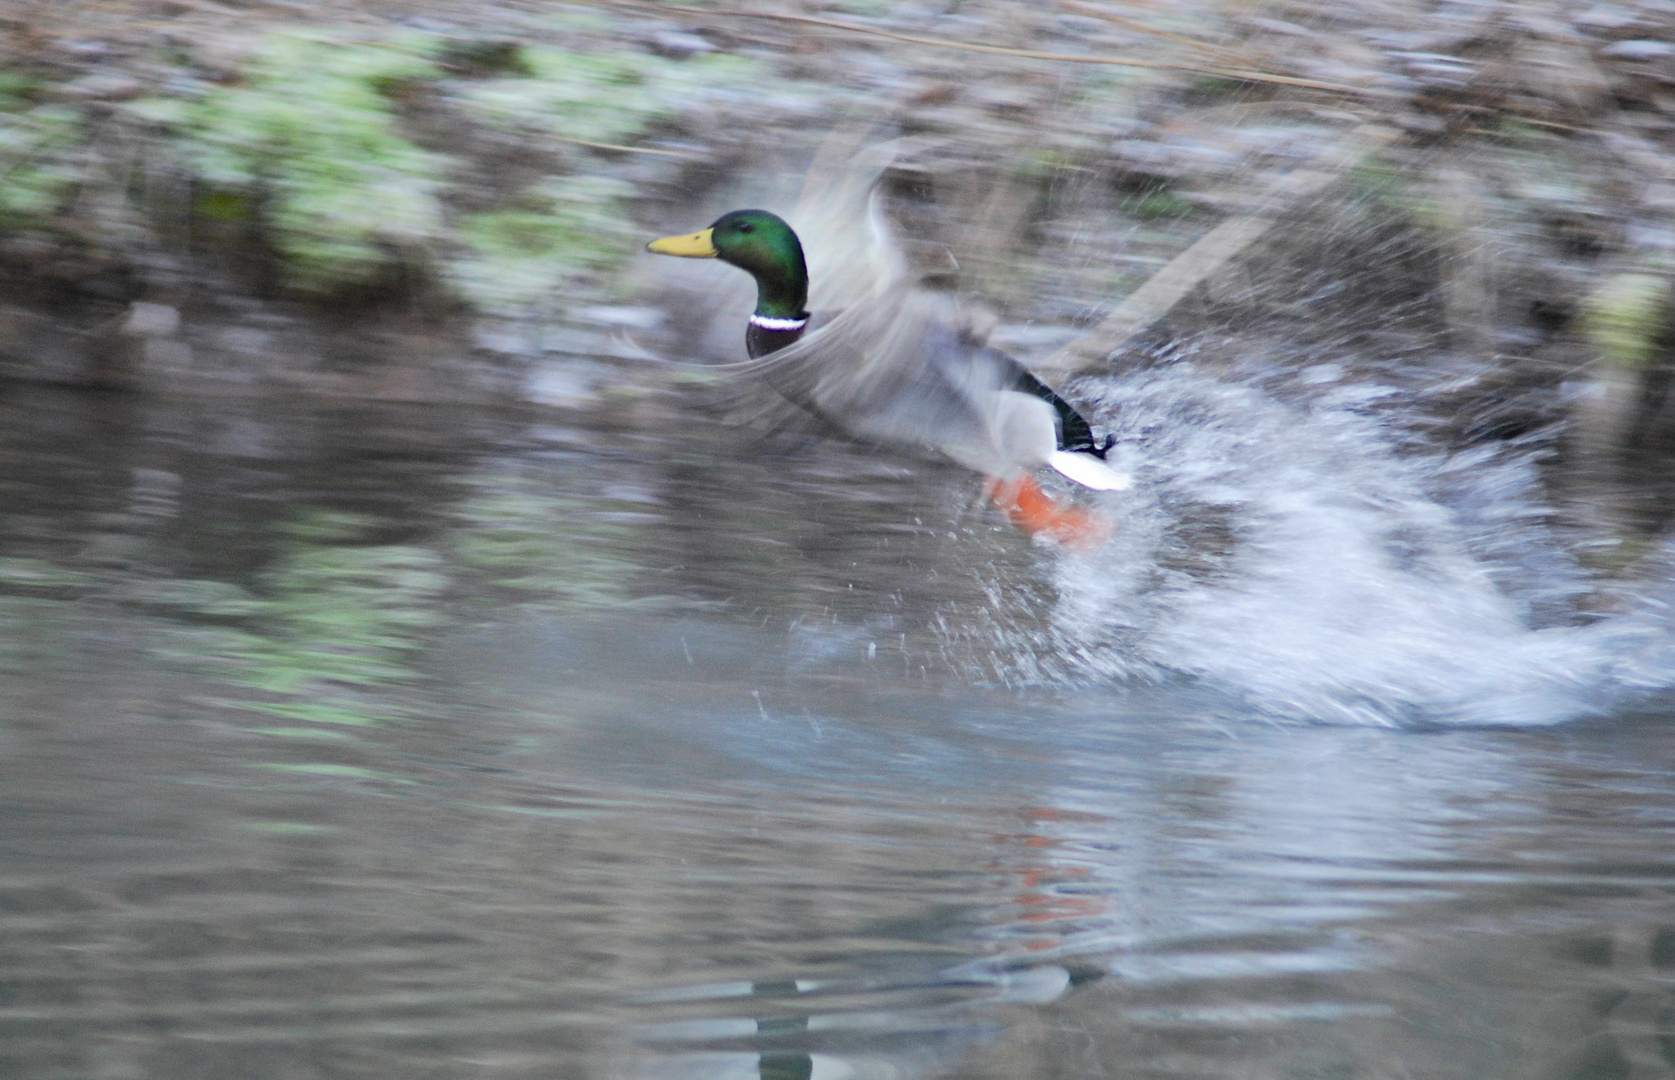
[{"x": 414, "y": 742}]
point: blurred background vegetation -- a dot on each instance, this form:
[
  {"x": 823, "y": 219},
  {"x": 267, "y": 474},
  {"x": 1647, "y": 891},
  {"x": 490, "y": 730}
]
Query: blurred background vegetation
[{"x": 492, "y": 166}]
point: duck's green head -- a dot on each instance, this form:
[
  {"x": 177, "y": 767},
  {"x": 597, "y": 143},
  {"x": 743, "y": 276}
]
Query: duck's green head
[{"x": 758, "y": 242}]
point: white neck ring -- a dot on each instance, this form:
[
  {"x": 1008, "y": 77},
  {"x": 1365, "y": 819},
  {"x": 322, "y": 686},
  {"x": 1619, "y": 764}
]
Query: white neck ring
[{"x": 768, "y": 322}]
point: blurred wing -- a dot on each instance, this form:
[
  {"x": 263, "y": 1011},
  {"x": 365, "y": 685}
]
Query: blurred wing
[
  {"x": 895, "y": 364},
  {"x": 894, "y": 369},
  {"x": 846, "y": 240}
]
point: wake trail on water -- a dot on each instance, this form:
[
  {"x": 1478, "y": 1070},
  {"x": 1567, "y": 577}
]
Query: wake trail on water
[{"x": 1297, "y": 555}]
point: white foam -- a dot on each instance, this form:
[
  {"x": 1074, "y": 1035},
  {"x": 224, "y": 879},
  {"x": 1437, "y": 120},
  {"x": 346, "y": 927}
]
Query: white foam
[{"x": 1288, "y": 554}]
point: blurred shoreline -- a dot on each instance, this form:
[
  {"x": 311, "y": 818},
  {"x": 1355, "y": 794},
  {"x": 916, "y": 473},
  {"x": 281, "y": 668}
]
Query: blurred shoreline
[{"x": 439, "y": 201}]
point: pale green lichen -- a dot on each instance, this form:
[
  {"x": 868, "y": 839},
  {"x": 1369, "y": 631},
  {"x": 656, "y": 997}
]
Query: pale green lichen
[
  {"x": 1627, "y": 317},
  {"x": 309, "y": 156},
  {"x": 1387, "y": 186},
  {"x": 1157, "y": 202},
  {"x": 40, "y": 152},
  {"x": 520, "y": 258},
  {"x": 311, "y": 138},
  {"x": 598, "y": 97},
  {"x": 309, "y": 149}
]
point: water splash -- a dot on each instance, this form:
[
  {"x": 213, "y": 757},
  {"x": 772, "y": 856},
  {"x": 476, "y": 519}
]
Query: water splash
[{"x": 1288, "y": 552}]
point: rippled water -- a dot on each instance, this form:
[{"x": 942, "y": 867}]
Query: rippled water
[{"x": 415, "y": 742}]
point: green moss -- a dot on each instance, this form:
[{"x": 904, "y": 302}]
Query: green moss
[
  {"x": 351, "y": 613},
  {"x": 1214, "y": 89},
  {"x": 520, "y": 258},
  {"x": 227, "y": 207},
  {"x": 602, "y": 97},
  {"x": 483, "y": 57},
  {"x": 1627, "y": 317},
  {"x": 307, "y": 155},
  {"x": 1382, "y": 180},
  {"x": 194, "y": 599},
  {"x": 587, "y": 19},
  {"x": 39, "y": 166},
  {"x": 1160, "y": 202},
  {"x": 16, "y": 90},
  {"x": 309, "y": 150},
  {"x": 166, "y": 113},
  {"x": 306, "y": 734},
  {"x": 311, "y": 136}
]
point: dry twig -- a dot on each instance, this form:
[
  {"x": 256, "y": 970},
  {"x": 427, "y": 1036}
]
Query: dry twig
[
  {"x": 618, "y": 147},
  {"x": 1140, "y": 27},
  {"x": 1240, "y": 74}
]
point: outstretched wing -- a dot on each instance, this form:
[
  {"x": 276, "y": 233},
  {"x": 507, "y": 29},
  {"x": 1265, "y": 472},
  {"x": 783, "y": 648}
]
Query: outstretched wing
[{"x": 895, "y": 369}]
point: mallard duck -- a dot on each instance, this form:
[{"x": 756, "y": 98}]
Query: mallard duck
[{"x": 897, "y": 366}]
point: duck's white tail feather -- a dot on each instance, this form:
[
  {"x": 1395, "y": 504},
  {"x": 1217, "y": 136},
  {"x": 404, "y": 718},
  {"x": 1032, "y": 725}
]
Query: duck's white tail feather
[{"x": 1089, "y": 471}]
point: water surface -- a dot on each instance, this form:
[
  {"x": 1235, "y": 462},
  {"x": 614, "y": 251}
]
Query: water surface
[{"x": 417, "y": 742}]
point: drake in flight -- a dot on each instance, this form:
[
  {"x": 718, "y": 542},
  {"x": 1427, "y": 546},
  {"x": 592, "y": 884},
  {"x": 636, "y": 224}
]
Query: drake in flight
[{"x": 896, "y": 366}]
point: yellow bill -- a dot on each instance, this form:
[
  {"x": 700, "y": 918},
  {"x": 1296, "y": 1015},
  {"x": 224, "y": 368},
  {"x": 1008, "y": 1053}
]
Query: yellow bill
[{"x": 696, "y": 246}]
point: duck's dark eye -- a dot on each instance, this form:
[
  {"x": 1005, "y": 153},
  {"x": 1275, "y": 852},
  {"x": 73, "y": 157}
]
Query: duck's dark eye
[{"x": 746, "y": 227}]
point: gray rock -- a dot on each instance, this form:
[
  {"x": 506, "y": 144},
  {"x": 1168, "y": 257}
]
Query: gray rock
[
  {"x": 1638, "y": 49},
  {"x": 1279, "y": 26},
  {"x": 1606, "y": 19},
  {"x": 107, "y": 86},
  {"x": 1422, "y": 124},
  {"x": 563, "y": 385},
  {"x": 429, "y": 25},
  {"x": 502, "y": 341},
  {"x": 165, "y": 356},
  {"x": 1008, "y": 100},
  {"x": 84, "y": 48},
  {"x": 570, "y": 341},
  {"x": 1142, "y": 156},
  {"x": 1650, "y": 235},
  {"x": 246, "y": 339},
  {"x": 632, "y": 317},
  {"x": 1437, "y": 69},
  {"x": 678, "y": 44},
  {"x": 151, "y": 320},
  {"x": 1080, "y": 25}
]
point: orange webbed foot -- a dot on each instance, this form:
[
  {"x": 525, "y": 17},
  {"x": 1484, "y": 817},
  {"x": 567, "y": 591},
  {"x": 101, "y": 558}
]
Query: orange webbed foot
[{"x": 1039, "y": 514}]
